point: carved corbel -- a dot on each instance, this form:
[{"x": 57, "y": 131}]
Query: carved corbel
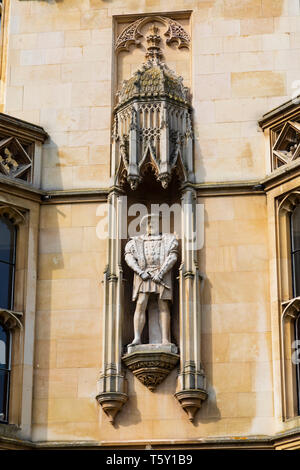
[
  {"x": 10, "y": 319},
  {"x": 191, "y": 401},
  {"x": 111, "y": 403},
  {"x": 15, "y": 216}
]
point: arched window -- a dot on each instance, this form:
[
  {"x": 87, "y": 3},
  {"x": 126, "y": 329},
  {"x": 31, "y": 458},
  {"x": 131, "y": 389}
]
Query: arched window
[
  {"x": 289, "y": 295},
  {"x": 295, "y": 250},
  {"x": 295, "y": 257},
  {"x": 5, "y": 342},
  {"x": 7, "y": 262},
  {"x": 7, "y": 277}
]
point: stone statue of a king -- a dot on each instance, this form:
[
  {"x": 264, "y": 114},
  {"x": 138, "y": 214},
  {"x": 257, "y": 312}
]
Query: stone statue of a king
[{"x": 152, "y": 257}]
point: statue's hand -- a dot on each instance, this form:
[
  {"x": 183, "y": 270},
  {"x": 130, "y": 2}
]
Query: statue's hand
[
  {"x": 145, "y": 276},
  {"x": 157, "y": 278}
]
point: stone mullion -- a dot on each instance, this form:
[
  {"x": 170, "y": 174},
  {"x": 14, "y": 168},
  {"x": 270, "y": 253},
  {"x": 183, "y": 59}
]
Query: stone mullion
[
  {"x": 133, "y": 171},
  {"x": 114, "y": 155},
  {"x": 164, "y": 141},
  {"x": 189, "y": 150}
]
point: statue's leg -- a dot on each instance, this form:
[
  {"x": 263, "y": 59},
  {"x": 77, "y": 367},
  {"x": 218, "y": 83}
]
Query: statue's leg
[
  {"x": 164, "y": 321},
  {"x": 140, "y": 317}
]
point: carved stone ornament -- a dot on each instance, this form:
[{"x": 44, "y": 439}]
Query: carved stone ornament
[
  {"x": 15, "y": 216},
  {"x": 153, "y": 123},
  {"x": 287, "y": 146},
  {"x": 151, "y": 367},
  {"x": 291, "y": 308},
  {"x": 290, "y": 201},
  {"x": 191, "y": 401},
  {"x": 14, "y": 160},
  {"x": 10, "y": 319},
  {"x": 111, "y": 403},
  {"x": 131, "y": 34}
]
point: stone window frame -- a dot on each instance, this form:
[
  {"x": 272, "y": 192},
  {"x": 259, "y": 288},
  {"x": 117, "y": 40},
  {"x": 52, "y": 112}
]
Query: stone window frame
[
  {"x": 8, "y": 318},
  {"x": 11, "y": 319},
  {"x": 21, "y": 319},
  {"x": 7, "y": 369},
  {"x": 289, "y": 305}
]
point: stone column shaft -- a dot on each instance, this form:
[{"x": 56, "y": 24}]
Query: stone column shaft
[
  {"x": 191, "y": 381},
  {"x": 111, "y": 386},
  {"x": 164, "y": 142}
]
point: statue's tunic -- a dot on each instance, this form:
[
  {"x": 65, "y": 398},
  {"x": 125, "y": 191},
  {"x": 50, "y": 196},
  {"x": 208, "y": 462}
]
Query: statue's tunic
[{"x": 156, "y": 254}]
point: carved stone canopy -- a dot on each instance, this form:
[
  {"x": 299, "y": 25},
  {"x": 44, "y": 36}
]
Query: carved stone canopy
[
  {"x": 154, "y": 79},
  {"x": 153, "y": 122},
  {"x": 287, "y": 145},
  {"x": 131, "y": 34}
]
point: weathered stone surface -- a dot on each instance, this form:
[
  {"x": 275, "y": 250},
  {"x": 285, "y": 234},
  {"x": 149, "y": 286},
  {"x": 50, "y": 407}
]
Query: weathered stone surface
[{"x": 59, "y": 70}]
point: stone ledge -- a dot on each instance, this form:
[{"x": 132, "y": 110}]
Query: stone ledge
[
  {"x": 167, "y": 348},
  {"x": 151, "y": 367}
]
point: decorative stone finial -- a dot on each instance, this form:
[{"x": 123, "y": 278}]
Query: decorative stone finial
[{"x": 153, "y": 50}]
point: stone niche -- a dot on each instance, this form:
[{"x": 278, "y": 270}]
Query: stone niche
[
  {"x": 153, "y": 276},
  {"x": 130, "y": 44}
]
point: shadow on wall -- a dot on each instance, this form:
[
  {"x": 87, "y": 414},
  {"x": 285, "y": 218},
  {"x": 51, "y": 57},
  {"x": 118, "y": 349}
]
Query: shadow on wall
[
  {"x": 50, "y": 260},
  {"x": 209, "y": 410}
]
